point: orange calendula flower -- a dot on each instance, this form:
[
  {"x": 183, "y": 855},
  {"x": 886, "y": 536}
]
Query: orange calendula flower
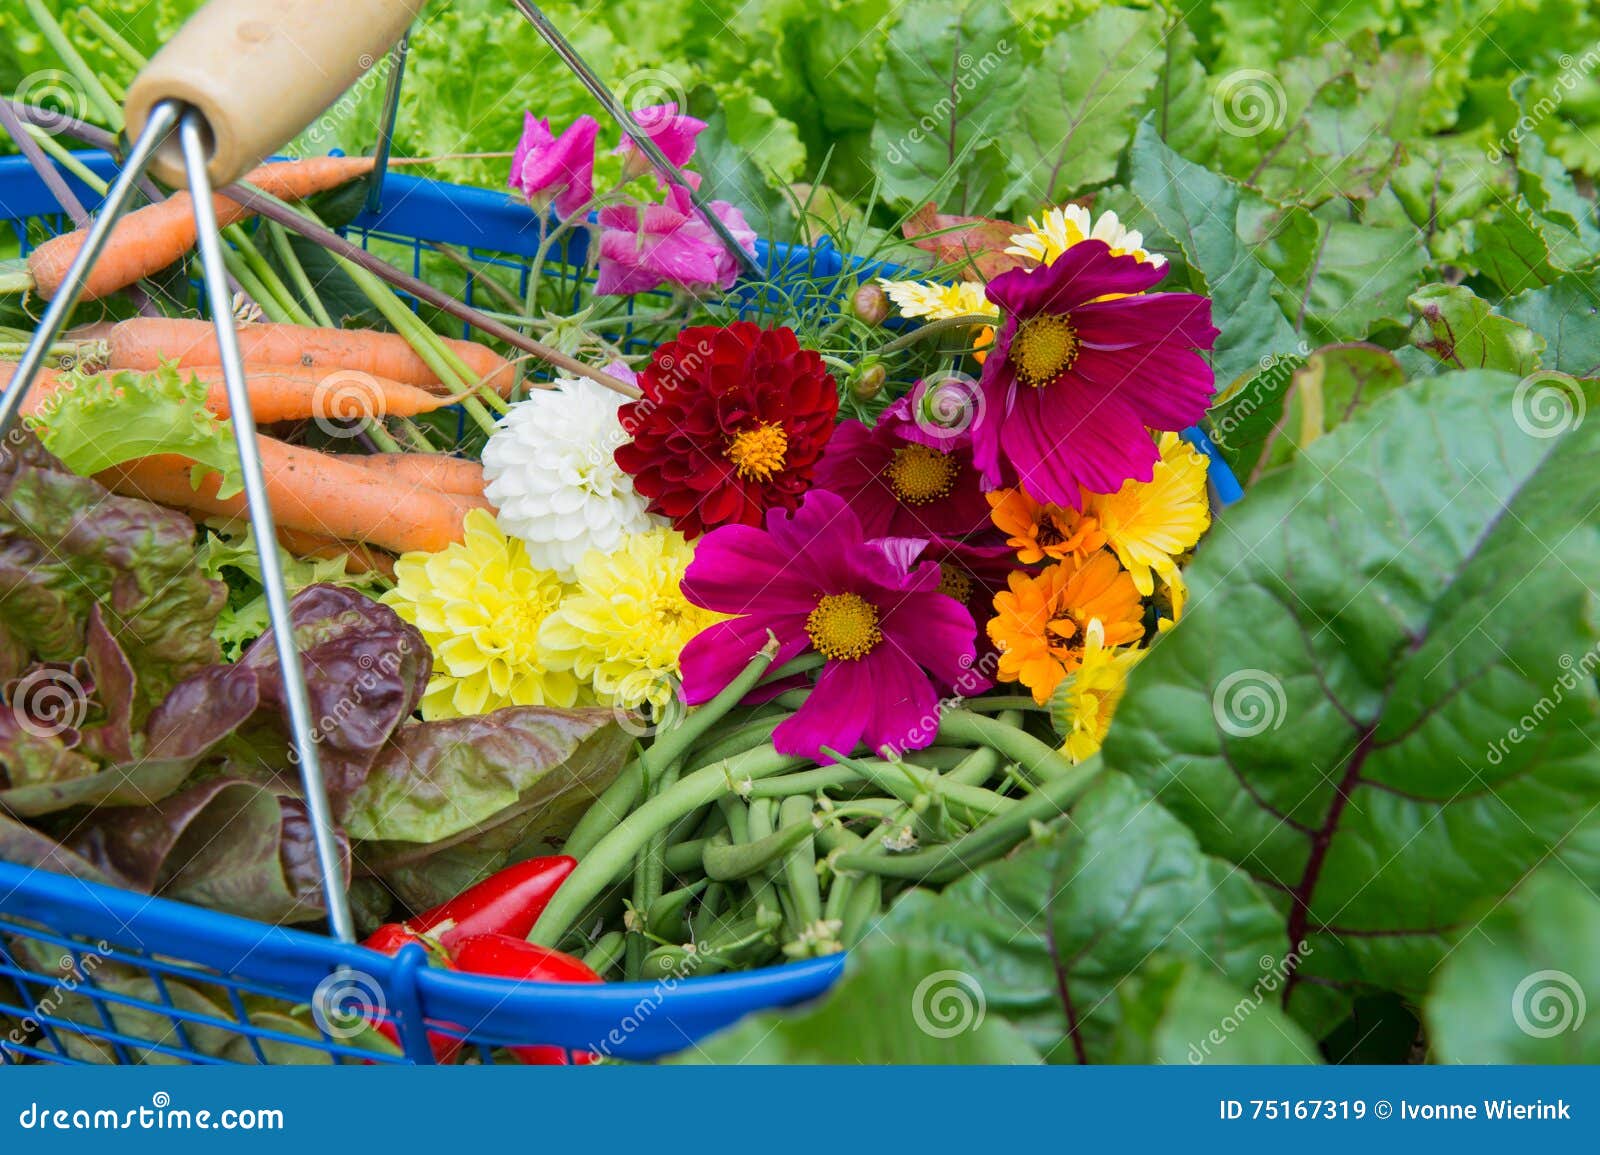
[
  {"x": 1042, "y": 620},
  {"x": 1038, "y": 531}
]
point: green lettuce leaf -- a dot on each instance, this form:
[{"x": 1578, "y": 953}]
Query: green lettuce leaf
[{"x": 96, "y": 421}]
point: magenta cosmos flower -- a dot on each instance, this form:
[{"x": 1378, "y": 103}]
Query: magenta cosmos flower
[
  {"x": 872, "y": 609},
  {"x": 903, "y": 480},
  {"x": 643, "y": 248},
  {"x": 1085, "y": 364},
  {"x": 673, "y": 133},
  {"x": 548, "y": 169}
]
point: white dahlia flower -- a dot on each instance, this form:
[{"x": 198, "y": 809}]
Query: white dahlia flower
[{"x": 550, "y": 470}]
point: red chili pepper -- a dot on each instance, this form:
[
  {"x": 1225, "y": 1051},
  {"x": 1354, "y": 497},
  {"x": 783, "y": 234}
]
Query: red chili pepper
[
  {"x": 515, "y": 958},
  {"x": 508, "y": 902},
  {"x": 389, "y": 939}
]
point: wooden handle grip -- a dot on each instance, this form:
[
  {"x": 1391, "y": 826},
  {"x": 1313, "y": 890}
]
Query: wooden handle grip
[{"x": 262, "y": 71}]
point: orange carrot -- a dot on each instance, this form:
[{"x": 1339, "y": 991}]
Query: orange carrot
[
  {"x": 425, "y": 470},
  {"x": 149, "y": 239},
  {"x": 310, "y": 492},
  {"x": 144, "y": 342},
  {"x": 357, "y": 558},
  {"x": 283, "y": 394}
]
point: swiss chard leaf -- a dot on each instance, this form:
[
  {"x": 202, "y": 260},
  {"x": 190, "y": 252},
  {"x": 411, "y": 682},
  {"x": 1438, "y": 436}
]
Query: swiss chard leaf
[
  {"x": 1331, "y": 715},
  {"x": 1513, "y": 990}
]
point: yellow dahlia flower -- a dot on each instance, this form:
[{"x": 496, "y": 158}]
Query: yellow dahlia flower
[
  {"x": 479, "y": 605},
  {"x": 624, "y": 626},
  {"x": 939, "y": 302},
  {"x": 1059, "y": 229},
  {"x": 1148, "y": 524}
]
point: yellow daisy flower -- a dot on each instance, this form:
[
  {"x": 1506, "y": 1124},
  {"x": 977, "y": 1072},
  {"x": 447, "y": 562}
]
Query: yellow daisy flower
[
  {"x": 479, "y": 604},
  {"x": 1148, "y": 524},
  {"x": 1061, "y": 228},
  {"x": 624, "y": 627},
  {"x": 1086, "y": 701},
  {"x": 939, "y": 302}
]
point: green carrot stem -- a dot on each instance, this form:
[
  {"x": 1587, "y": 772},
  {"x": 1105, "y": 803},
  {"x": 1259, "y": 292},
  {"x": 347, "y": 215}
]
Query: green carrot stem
[
  {"x": 267, "y": 275},
  {"x": 65, "y": 158},
  {"x": 81, "y": 72},
  {"x": 614, "y": 853},
  {"x": 111, "y": 37},
  {"x": 290, "y": 260}
]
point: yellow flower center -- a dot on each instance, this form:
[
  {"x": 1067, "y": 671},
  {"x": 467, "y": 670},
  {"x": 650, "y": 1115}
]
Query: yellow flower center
[
  {"x": 844, "y": 627},
  {"x": 953, "y": 583},
  {"x": 757, "y": 452},
  {"x": 918, "y": 474},
  {"x": 1044, "y": 348}
]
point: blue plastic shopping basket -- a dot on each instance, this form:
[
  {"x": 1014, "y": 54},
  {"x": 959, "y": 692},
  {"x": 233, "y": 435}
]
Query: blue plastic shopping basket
[{"x": 93, "y": 974}]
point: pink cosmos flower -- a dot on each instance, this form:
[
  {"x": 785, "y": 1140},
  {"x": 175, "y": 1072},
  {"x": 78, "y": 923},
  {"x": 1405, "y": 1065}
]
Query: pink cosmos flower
[
  {"x": 546, "y": 168},
  {"x": 672, "y": 133},
  {"x": 643, "y": 248},
  {"x": 1085, "y": 365},
  {"x": 902, "y": 480},
  {"x": 891, "y": 642}
]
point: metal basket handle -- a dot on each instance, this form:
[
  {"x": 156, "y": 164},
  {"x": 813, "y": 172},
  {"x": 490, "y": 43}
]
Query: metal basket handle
[{"x": 238, "y": 81}]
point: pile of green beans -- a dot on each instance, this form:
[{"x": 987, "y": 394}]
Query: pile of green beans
[{"x": 712, "y": 850}]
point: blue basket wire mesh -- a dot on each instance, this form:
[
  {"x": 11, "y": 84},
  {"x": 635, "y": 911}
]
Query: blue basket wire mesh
[{"x": 89, "y": 973}]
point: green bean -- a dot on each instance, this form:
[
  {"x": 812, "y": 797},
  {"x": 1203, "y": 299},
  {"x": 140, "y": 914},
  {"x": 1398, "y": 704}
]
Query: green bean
[
  {"x": 736, "y": 741},
  {"x": 864, "y": 904},
  {"x": 800, "y": 864},
  {"x": 737, "y": 816},
  {"x": 906, "y": 781},
  {"x": 685, "y": 856},
  {"x": 1041, "y": 762},
  {"x": 619, "y": 798},
  {"x": 665, "y": 918},
  {"x": 603, "y": 955},
  {"x": 987, "y": 841},
  {"x": 805, "y": 782},
  {"x": 727, "y": 863},
  {"x": 612, "y": 856},
  {"x": 651, "y": 869}
]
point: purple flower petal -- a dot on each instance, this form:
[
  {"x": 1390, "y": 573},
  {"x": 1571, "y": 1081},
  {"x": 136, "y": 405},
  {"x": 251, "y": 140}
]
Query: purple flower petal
[
  {"x": 936, "y": 632},
  {"x": 1085, "y": 271},
  {"x": 715, "y": 655},
  {"x": 1180, "y": 319},
  {"x": 905, "y": 712},
  {"x": 835, "y": 715},
  {"x": 736, "y": 571}
]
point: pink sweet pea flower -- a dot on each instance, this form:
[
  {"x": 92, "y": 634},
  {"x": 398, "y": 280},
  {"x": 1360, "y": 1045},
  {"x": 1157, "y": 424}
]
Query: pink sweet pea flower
[
  {"x": 642, "y": 249},
  {"x": 672, "y": 133},
  {"x": 555, "y": 169}
]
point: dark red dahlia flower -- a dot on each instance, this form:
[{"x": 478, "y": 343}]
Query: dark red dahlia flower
[
  {"x": 903, "y": 480},
  {"x": 1085, "y": 365},
  {"x": 731, "y": 424}
]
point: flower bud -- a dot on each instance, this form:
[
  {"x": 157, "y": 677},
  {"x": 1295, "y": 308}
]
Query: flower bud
[
  {"x": 868, "y": 381},
  {"x": 871, "y": 304}
]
